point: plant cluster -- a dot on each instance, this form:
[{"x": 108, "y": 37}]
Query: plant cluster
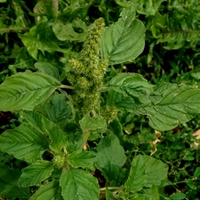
[{"x": 85, "y": 124}]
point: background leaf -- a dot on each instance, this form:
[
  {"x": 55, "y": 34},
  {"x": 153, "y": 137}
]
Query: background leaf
[
  {"x": 77, "y": 184},
  {"x": 26, "y": 90},
  {"x": 178, "y": 196},
  {"x": 123, "y": 41},
  {"x": 50, "y": 190},
  {"x": 35, "y": 173},
  {"x": 8, "y": 184},
  {"x": 41, "y": 37},
  {"x": 66, "y": 31},
  {"x": 23, "y": 142},
  {"x": 110, "y": 156}
]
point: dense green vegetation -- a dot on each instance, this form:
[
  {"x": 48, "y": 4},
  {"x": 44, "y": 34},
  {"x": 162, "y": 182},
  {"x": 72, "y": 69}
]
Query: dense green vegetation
[{"x": 99, "y": 99}]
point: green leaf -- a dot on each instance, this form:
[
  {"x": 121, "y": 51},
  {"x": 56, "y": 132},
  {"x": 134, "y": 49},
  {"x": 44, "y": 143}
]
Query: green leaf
[
  {"x": 129, "y": 90},
  {"x": 175, "y": 104},
  {"x": 145, "y": 172},
  {"x": 47, "y": 8},
  {"x": 57, "y": 109},
  {"x": 1, "y": 1},
  {"x": 50, "y": 191},
  {"x": 35, "y": 173},
  {"x": 8, "y": 184},
  {"x": 75, "y": 139},
  {"x": 23, "y": 142},
  {"x": 109, "y": 195},
  {"x": 142, "y": 197},
  {"x": 197, "y": 172},
  {"x": 133, "y": 85},
  {"x": 26, "y": 90},
  {"x": 47, "y": 68},
  {"x": 147, "y": 7},
  {"x": 123, "y": 41},
  {"x": 137, "y": 177},
  {"x": 156, "y": 171},
  {"x": 98, "y": 123},
  {"x": 77, "y": 184},
  {"x": 177, "y": 196},
  {"x": 46, "y": 127},
  {"x": 66, "y": 32},
  {"x": 110, "y": 156},
  {"x": 153, "y": 192},
  {"x": 41, "y": 37},
  {"x": 82, "y": 159}
]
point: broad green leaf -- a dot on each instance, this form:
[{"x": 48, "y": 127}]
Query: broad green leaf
[
  {"x": 1, "y": 1},
  {"x": 50, "y": 191},
  {"x": 110, "y": 156},
  {"x": 41, "y": 37},
  {"x": 8, "y": 184},
  {"x": 156, "y": 171},
  {"x": 175, "y": 104},
  {"x": 57, "y": 109},
  {"x": 24, "y": 142},
  {"x": 97, "y": 123},
  {"x": 77, "y": 184},
  {"x": 35, "y": 173},
  {"x": 46, "y": 127},
  {"x": 133, "y": 85},
  {"x": 129, "y": 90},
  {"x": 123, "y": 41},
  {"x": 145, "y": 172},
  {"x": 109, "y": 195},
  {"x": 26, "y": 90},
  {"x": 47, "y": 68},
  {"x": 82, "y": 159},
  {"x": 137, "y": 177}
]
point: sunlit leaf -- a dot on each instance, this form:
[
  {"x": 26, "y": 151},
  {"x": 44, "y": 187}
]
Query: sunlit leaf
[{"x": 123, "y": 41}]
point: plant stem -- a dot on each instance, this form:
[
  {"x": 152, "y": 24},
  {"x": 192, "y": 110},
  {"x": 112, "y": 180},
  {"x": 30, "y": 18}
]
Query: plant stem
[{"x": 112, "y": 188}]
